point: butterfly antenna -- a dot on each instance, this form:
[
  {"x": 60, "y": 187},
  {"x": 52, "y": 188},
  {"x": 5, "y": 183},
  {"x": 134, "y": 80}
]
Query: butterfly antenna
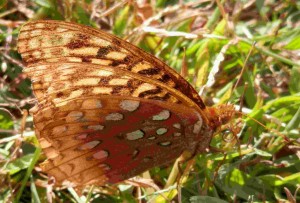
[
  {"x": 246, "y": 86},
  {"x": 271, "y": 130},
  {"x": 242, "y": 97}
]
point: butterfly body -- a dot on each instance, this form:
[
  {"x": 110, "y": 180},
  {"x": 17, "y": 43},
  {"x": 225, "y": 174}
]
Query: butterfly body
[{"x": 107, "y": 110}]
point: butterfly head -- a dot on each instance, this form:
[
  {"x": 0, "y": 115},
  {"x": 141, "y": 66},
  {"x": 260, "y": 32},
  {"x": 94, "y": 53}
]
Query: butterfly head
[{"x": 220, "y": 115}]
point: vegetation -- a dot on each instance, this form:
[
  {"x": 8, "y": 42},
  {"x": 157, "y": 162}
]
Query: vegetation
[{"x": 243, "y": 52}]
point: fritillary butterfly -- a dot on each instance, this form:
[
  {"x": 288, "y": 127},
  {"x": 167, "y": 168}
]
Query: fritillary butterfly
[{"x": 107, "y": 110}]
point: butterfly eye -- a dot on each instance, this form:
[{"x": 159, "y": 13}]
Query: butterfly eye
[{"x": 227, "y": 135}]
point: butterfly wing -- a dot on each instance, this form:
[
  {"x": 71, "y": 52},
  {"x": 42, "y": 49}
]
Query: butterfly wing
[
  {"x": 103, "y": 139},
  {"x": 57, "y": 41},
  {"x": 128, "y": 131}
]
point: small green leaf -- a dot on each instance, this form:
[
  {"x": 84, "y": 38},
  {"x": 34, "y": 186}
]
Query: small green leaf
[
  {"x": 295, "y": 121},
  {"x": 5, "y": 120},
  {"x": 19, "y": 164},
  {"x": 294, "y": 44}
]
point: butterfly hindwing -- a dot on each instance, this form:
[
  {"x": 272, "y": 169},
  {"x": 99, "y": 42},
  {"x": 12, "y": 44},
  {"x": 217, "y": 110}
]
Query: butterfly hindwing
[{"x": 127, "y": 136}]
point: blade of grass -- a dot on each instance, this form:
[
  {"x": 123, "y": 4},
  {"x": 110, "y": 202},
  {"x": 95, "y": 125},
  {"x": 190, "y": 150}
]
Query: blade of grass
[
  {"x": 35, "y": 195},
  {"x": 90, "y": 193},
  {"x": 75, "y": 195},
  {"x": 28, "y": 173}
]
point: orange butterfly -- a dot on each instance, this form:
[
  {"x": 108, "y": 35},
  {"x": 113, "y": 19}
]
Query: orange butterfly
[{"x": 107, "y": 110}]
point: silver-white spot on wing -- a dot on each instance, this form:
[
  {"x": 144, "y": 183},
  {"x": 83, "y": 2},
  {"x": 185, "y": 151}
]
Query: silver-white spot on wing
[
  {"x": 165, "y": 144},
  {"x": 177, "y": 125},
  {"x": 89, "y": 145},
  {"x": 161, "y": 131},
  {"x": 95, "y": 127},
  {"x": 163, "y": 115},
  {"x": 105, "y": 167},
  {"x": 151, "y": 138},
  {"x": 129, "y": 105},
  {"x": 197, "y": 127},
  {"x": 135, "y": 135},
  {"x": 81, "y": 136},
  {"x": 74, "y": 116},
  {"x": 59, "y": 129},
  {"x": 135, "y": 153},
  {"x": 101, "y": 155},
  {"x": 114, "y": 117}
]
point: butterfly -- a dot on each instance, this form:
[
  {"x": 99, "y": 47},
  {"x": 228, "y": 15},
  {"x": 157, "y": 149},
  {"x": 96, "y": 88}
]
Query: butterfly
[{"x": 107, "y": 110}]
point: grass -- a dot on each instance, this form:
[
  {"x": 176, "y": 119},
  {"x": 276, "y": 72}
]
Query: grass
[{"x": 213, "y": 44}]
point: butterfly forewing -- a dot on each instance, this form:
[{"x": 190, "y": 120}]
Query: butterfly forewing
[
  {"x": 55, "y": 41},
  {"x": 106, "y": 110},
  {"x": 68, "y": 80}
]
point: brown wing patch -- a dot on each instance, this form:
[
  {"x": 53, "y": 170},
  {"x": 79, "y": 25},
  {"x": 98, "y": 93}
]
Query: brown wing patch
[{"x": 54, "y": 41}]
